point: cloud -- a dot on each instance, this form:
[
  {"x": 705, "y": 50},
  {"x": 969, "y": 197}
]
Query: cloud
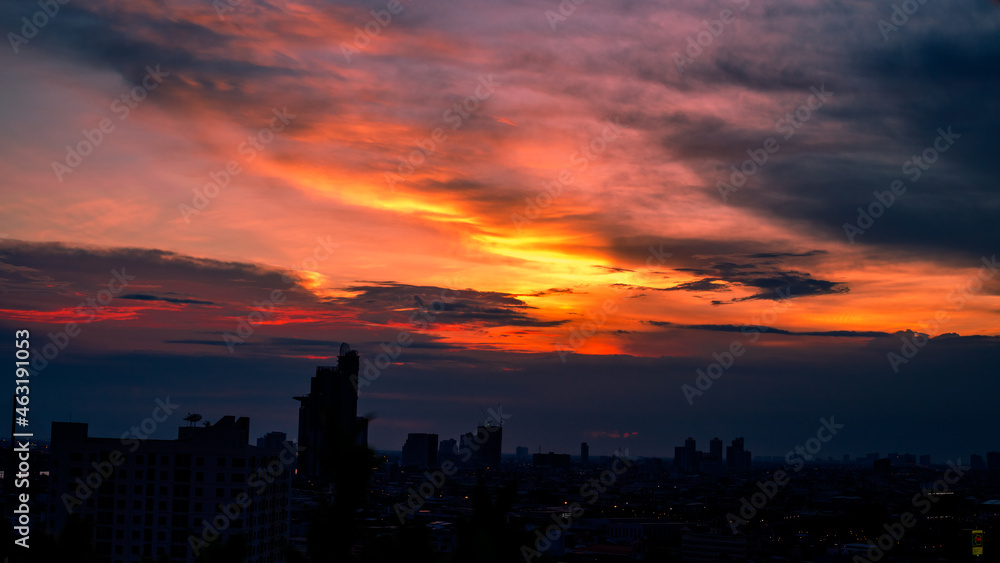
[
  {"x": 396, "y": 302},
  {"x": 552, "y": 291},
  {"x": 148, "y": 297},
  {"x": 771, "y": 330}
]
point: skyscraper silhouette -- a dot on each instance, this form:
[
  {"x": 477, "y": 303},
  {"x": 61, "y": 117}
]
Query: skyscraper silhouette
[{"x": 328, "y": 413}]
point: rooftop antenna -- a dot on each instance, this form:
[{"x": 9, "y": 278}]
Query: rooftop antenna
[{"x": 192, "y": 419}]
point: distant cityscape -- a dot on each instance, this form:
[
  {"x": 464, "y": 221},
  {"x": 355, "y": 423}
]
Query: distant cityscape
[{"x": 209, "y": 495}]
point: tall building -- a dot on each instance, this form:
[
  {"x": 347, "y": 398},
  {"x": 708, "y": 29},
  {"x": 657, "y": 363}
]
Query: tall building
[
  {"x": 482, "y": 447},
  {"x": 490, "y": 450},
  {"x": 420, "y": 450},
  {"x": 329, "y": 413},
  {"x": 687, "y": 458},
  {"x": 977, "y": 463},
  {"x": 737, "y": 458},
  {"x": 361, "y": 426},
  {"x": 993, "y": 462},
  {"x": 715, "y": 450},
  {"x": 155, "y": 498},
  {"x": 883, "y": 467},
  {"x": 711, "y": 463},
  {"x": 522, "y": 453},
  {"x": 446, "y": 450},
  {"x": 584, "y": 453}
]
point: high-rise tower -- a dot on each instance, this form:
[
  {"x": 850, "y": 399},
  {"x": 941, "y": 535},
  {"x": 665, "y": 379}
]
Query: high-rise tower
[{"x": 328, "y": 413}]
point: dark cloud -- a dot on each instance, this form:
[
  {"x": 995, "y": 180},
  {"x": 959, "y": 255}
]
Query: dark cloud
[
  {"x": 787, "y": 254},
  {"x": 771, "y": 330},
  {"x": 725, "y": 265},
  {"x": 706, "y": 284},
  {"x": 893, "y": 97},
  {"x": 611, "y": 269},
  {"x": 553, "y": 291},
  {"x": 148, "y": 297},
  {"x": 218, "y": 342},
  {"x": 56, "y": 275},
  {"x": 397, "y": 302}
]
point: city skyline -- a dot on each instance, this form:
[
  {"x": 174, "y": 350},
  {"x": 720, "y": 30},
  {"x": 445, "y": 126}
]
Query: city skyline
[
  {"x": 489, "y": 414},
  {"x": 628, "y": 224}
]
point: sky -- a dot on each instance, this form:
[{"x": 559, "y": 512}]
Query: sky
[{"x": 625, "y": 222}]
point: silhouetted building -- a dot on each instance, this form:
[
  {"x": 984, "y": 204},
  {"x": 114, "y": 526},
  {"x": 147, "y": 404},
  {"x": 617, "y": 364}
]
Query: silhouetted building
[
  {"x": 993, "y": 462},
  {"x": 330, "y": 407},
  {"x": 882, "y": 467},
  {"x": 420, "y": 450},
  {"x": 901, "y": 460},
  {"x": 711, "y": 462},
  {"x": 558, "y": 461},
  {"x": 977, "y": 463},
  {"x": 925, "y": 460},
  {"x": 482, "y": 448},
  {"x": 361, "y": 427},
  {"x": 715, "y": 450},
  {"x": 273, "y": 440},
  {"x": 154, "y": 498},
  {"x": 737, "y": 458},
  {"x": 446, "y": 450},
  {"x": 687, "y": 458},
  {"x": 584, "y": 453},
  {"x": 522, "y": 453},
  {"x": 490, "y": 450}
]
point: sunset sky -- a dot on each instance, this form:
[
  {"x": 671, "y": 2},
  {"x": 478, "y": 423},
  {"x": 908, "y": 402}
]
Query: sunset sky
[{"x": 544, "y": 199}]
